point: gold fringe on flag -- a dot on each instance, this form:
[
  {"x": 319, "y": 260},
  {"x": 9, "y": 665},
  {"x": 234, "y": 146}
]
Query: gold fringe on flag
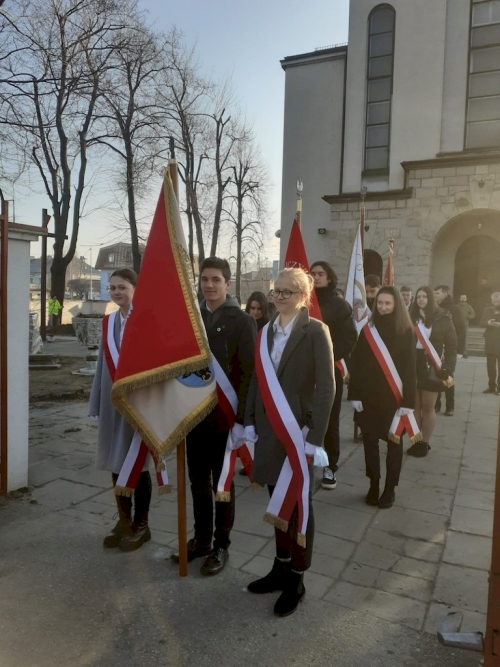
[{"x": 163, "y": 490}]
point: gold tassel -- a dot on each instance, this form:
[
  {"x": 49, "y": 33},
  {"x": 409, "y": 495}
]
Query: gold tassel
[
  {"x": 301, "y": 540},
  {"x": 124, "y": 491},
  {"x": 163, "y": 490},
  {"x": 223, "y": 496},
  {"x": 416, "y": 438},
  {"x": 394, "y": 438},
  {"x": 275, "y": 521},
  {"x": 255, "y": 486}
]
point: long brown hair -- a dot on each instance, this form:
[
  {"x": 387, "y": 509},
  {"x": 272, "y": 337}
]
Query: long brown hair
[
  {"x": 127, "y": 274},
  {"x": 402, "y": 320},
  {"x": 431, "y": 309},
  {"x": 260, "y": 297}
]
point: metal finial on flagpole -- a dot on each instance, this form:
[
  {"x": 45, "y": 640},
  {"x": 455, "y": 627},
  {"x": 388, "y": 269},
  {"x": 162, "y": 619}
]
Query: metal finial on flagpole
[{"x": 300, "y": 189}]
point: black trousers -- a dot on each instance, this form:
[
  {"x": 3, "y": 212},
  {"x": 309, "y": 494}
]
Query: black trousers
[
  {"x": 449, "y": 392},
  {"x": 142, "y": 496},
  {"x": 332, "y": 436},
  {"x": 493, "y": 369},
  {"x": 286, "y": 543},
  {"x": 394, "y": 460},
  {"x": 205, "y": 455}
]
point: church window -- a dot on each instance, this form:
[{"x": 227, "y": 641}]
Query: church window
[
  {"x": 381, "y": 24},
  {"x": 483, "y": 105}
]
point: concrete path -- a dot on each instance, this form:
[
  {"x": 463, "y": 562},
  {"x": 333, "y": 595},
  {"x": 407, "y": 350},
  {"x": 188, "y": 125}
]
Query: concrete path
[{"x": 380, "y": 584}]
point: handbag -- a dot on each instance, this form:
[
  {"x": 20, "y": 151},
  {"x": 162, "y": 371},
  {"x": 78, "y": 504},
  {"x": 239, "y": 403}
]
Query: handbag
[{"x": 432, "y": 376}]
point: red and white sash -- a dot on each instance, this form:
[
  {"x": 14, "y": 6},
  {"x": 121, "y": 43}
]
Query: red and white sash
[
  {"x": 341, "y": 365},
  {"x": 228, "y": 402},
  {"x": 399, "y": 424},
  {"x": 292, "y": 488},
  {"x": 428, "y": 346},
  {"x": 137, "y": 457}
]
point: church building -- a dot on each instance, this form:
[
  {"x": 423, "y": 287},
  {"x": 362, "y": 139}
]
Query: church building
[{"x": 409, "y": 110}]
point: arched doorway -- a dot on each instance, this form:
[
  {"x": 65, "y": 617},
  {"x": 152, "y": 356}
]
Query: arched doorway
[
  {"x": 373, "y": 263},
  {"x": 477, "y": 271}
]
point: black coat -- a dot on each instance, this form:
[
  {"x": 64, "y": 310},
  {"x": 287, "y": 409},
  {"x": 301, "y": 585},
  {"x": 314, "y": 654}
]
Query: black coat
[
  {"x": 337, "y": 315},
  {"x": 368, "y": 384},
  {"x": 444, "y": 339},
  {"x": 491, "y": 334},
  {"x": 305, "y": 374},
  {"x": 459, "y": 323},
  {"x": 231, "y": 335}
]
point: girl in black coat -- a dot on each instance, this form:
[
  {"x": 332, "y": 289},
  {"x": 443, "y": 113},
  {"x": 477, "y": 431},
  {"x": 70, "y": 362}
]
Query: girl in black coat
[
  {"x": 442, "y": 335},
  {"x": 257, "y": 308},
  {"x": 371, "y": 395}
]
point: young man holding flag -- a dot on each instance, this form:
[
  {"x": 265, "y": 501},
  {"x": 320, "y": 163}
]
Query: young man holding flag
[{"x": 231, "y": 336}]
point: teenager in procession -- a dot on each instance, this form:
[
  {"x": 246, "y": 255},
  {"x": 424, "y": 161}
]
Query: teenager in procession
[
  {"x": 294, "y": 377},
  {"x": 386, "y": 345},
  {"x": 115, "y": 434},
  {"x": 231, "y": 335},
  {"x": 436, "y": 359},
  {"x": 257, "y": 308},
  {"x": 337, "y": 315}
]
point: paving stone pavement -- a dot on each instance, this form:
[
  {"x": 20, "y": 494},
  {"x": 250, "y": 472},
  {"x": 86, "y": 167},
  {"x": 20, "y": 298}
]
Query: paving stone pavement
[{"x": 410, "y": 565}]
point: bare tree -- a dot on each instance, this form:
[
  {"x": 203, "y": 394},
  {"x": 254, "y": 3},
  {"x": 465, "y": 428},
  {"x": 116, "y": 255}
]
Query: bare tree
[
  {"x": 55, "y": 55},
  {"x": 247, "y": 201},
  {"x": 132, "y": 121}
]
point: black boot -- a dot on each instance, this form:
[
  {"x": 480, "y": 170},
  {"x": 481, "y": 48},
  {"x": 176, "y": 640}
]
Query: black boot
[
  {"x": 373, "y": 493},
  {"x": 140, "y": 528},
  {"x": 387, "y": 498},
  {"x": 274, "y": 581},
  {"x": 124, "y": 526},
  {"x": 419, "y": 449},
  {"x": 293, "y": 593}
]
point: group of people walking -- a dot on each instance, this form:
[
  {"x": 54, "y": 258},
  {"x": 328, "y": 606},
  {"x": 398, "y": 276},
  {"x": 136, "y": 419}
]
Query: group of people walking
[{"x": 287, "y": 370}]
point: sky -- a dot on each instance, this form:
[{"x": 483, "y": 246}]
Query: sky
[{"x": 246, "y": 41}]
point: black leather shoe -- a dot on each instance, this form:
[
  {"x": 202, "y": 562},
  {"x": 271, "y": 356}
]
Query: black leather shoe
[
  {"x": 387, "y": 498},
  {"x": 293, "y": 593},
  {"x": 274, "y": 581},
  {"x": 194, "y": 550},
  {"x": 215, "y": 562},
  {"x": 373, "y": 493},
  {"x": 419, "y": 449},
  {"x": 140, "y": 535}
]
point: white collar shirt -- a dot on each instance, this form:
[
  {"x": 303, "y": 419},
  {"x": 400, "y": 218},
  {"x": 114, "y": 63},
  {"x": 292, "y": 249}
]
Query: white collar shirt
[{"x": 280, "y": 339}]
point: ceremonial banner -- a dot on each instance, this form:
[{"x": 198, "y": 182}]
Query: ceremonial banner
[
  {"x": 389, "y": 269},
  {"x": 296, "y": 258},
  {"x": 164, "y": 383},
  {"x": 355, "y": 293}
]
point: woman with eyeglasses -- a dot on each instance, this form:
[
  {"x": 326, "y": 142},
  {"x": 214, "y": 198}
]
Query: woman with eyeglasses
[
  {"x": 114, "y": 436},
  {"x": 288, "y": 408}
]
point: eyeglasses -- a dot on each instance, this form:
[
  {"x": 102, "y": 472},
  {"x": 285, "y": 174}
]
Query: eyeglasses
[
  {"x": 285, "y": 293},
  {"x": 117, "y": 288}
]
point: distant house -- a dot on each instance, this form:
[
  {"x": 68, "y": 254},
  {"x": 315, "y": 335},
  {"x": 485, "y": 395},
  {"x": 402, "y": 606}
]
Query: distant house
[
  {"x": 112, "y": 257},
  {"x": 256, "y": 281}
]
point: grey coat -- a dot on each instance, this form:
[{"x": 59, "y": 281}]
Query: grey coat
[
  {"x": 114, "y": 434},
  {"x": 306, "y": 376}
]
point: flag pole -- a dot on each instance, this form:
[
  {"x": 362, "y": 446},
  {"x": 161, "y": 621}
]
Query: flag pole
[
  {"x": 298, "y": 214},
  {"x": 362, "y": 235},
  {"x": 181, "y": 447}
]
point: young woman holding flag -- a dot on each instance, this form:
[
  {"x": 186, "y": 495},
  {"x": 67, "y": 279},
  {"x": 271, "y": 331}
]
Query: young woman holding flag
[
  {"x": 288, "y": 408},
  {"x": 436, "y": 359},
  {"x": 382, "y": 387}
]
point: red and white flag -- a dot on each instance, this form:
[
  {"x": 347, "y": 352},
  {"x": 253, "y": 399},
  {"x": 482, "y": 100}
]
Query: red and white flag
[
  {"x": 165, "y": 383},
  {"x": 389, "y": 269},
  {"x": 355, "y": 292},
  {"x": 296, "y": 258}
]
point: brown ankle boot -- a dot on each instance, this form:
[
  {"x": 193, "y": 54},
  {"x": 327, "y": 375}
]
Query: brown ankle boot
[
  {"x": 140, "y": 530},
  {"x": 124, "y": 526}
]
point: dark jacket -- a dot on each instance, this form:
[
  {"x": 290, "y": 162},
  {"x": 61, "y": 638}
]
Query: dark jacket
[
  {"x": 305, "y": 374},
  {"x": 458, "y": 322},
  {"x": 491, "y": 334},
  {"x": 231, "y": 336},
  {"x": 367, "y": 382},
  {"x": 444, "y": 339},
  {"x": 337, "y": 315}
]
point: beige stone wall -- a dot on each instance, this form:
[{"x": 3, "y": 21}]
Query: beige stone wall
[{"x": 449, "y": 204}]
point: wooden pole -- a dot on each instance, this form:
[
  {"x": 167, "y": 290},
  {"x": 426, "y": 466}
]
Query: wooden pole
[
  {"x": 4, "y": 245},
  {"x": 181, "y": 447},
  {"x": 362, "y": 234},
  {"x": 492, "y": 638},
  {"x": 298, "y": 213},
  {"x": 43, "y": 279}
]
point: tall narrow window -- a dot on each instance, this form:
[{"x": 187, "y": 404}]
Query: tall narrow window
[
  {"x": 380, "y": 71},
  {"x": 483, "y": 105}
]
